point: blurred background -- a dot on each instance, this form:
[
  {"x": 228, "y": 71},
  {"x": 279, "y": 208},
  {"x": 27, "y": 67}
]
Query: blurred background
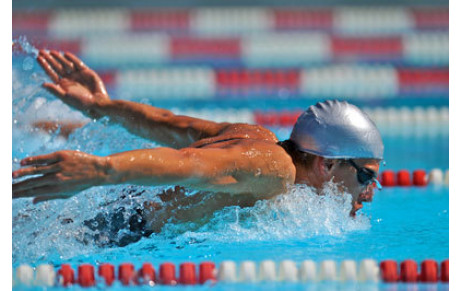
[{"x": 262, "y": 61}]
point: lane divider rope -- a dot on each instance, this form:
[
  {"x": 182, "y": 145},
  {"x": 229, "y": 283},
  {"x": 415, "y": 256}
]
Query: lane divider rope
[
  {"x": 381, "y": 116},
  {"x": 218, "y": 21},
  {"x": 419, "y": 178},
  {"x": 428, "y": 271}
]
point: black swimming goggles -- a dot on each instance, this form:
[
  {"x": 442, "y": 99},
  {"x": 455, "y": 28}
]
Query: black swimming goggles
[{"x": 365, "y": 175}]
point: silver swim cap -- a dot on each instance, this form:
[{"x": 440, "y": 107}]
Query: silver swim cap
[{"x": 337, "y": 130}]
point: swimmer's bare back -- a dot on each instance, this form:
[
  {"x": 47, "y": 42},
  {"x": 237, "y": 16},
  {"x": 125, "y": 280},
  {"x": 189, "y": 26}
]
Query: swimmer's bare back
[
  {"x": 200, "y": 206},
  {"x": 240, "y": 160}
]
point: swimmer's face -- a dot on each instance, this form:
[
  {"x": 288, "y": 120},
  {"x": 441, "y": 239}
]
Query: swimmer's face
[{"x": 345, "y": 175}]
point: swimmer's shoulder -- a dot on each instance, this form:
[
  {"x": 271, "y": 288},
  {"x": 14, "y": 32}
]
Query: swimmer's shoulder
[
  {"x": 276, "y": 158},
  {"x": 235, "y": 132},
  {"x": 265, "y": 155},
  {"x": 251, "y": 131}
]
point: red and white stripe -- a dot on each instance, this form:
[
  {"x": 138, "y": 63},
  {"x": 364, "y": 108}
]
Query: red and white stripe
[
  {"x": 418, "y": 178},
  {"x": 368, "y": 270},
  {"x": 341, "y": 81},
  {"x": 384, "y": 117},
  {"x": 348, "y": 20},
  {"x": 430, "y": 18},
  {"x": 171, "y": 20},
  {"x": 303, "y": 19},
  {"x": 199, "y": 48},
  {"x": 37, "y": 21},
  {"x": 262, "y": 50}
]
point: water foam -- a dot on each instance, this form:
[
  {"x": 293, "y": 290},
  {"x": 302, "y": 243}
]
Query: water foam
[
  {"x": 298, "y": 214},
  {"x": 55, "y": 231}
]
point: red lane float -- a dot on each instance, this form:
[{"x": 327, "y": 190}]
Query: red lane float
[
  {"x": 431, "y": 18},
  {"x": 301, "y": 19},
  {"x": 429, "y": 271},
  {"x": 422, "y": 81},
  {"x": 67, "y": 275},
  {"x": 362, "y": 47},
  {"x": 277, "y": 118},
  {"x": 388, "y": 178},
  {"x": 146, "y": 274},
  {"x": 207, "y": 272},
  {"x": 419, "y": 178},
  {"x": 187, "y": 274},
  {"x": 195, "y": 47},
  {"x": 389, "y": 270},
  {"x": 403, "y": 178},
  {"x": 166, "y": 20},
  {"x": 86, "y": 275},
  {"x": 31, "y": 21},
  {"x": 246, "y": 81},
  {"x": 126, "y": 273},
  {"x": 445, "y": 271},
  {"x": 409, "y": 271},
  {"x": 107, "y": 271},
  {"x": 167, "y": 274}
]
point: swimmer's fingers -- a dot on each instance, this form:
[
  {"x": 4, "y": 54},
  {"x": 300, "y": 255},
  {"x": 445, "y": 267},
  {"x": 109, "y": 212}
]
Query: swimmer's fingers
[
  {"x": 57, "y": 67},
  {"x": 49, "y": 71},
  {"x": 36, "y": 186},
  {"x": 49, "y": 197},
  {"x": 66, "y": 64},
  {"x": 35, "y": 170},
  {"x": 54, "y": 89},
  {"x": 79, "y": 65},
  {"x": 37, "y": 192},
  {"x": 41, "y": 160}
]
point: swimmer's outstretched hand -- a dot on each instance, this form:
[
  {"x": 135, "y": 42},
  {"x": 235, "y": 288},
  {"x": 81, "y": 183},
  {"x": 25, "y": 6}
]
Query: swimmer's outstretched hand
[
  {"x": 63, "y": 174},
  {"x": 73, "y": 82}
]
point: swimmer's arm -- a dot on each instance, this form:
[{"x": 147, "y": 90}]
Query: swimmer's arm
[
  {"x": 158, "y": 124},
  {"x": 220, "y": 170},
  {"x": 62, "y": 174},
  {"x": 81, "y": 88}
]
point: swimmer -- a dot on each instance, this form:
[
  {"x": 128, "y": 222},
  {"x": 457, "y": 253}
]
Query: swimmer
[{"x": 232, "y": 163}]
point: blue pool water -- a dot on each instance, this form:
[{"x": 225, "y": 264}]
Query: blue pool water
[{"x": 401, "y": 223}]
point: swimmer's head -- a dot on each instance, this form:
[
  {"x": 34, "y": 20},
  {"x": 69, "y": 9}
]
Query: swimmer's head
[
  {"x": 337, "y": 141},
  {"x": 337, "y": 130}
]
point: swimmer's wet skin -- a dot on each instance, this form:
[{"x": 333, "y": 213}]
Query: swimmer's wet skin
[{"x": 240, "y": 163}]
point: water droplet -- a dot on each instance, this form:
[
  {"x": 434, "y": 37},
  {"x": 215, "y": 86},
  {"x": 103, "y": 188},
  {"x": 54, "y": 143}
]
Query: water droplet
[{"x": 28, "y": 64}]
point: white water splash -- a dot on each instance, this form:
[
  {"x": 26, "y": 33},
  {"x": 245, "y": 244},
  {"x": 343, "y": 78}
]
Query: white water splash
[
  {"x": 298, "y": 214},
  {"x": 55, "y": 230},
  {"x": 26, "y": 46}
]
